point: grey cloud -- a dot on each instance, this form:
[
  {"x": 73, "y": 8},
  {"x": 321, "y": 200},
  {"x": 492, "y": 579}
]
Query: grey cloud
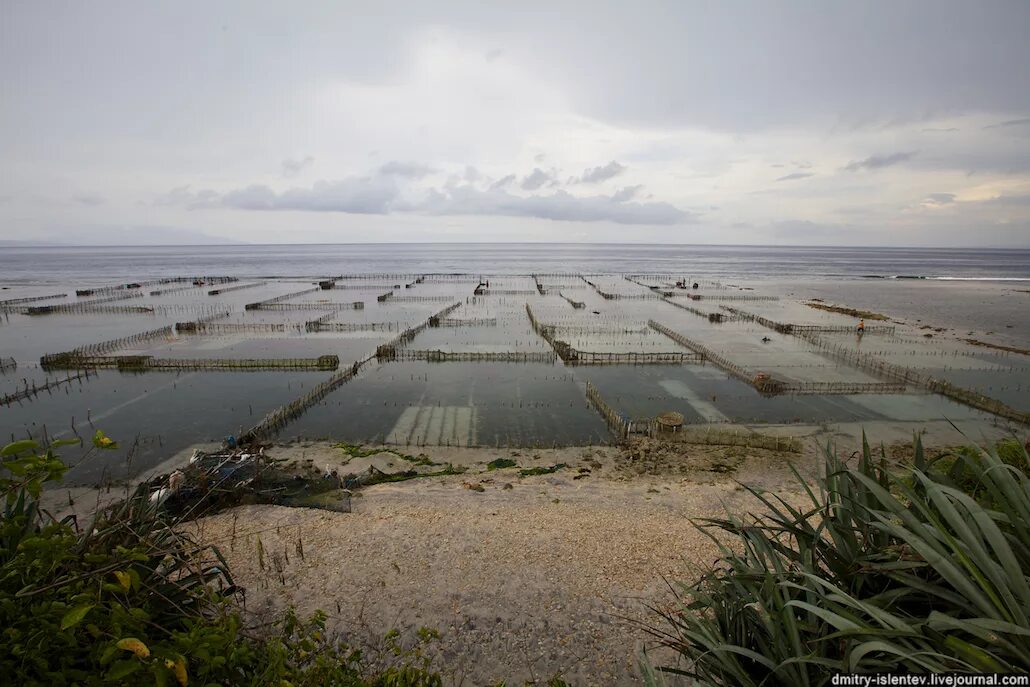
[
  {"x": 183, "y": 196},
  {"x": 292, "y": 167},
  {"x": 939, "y": 199},
  {"x": 539, "y": 157},
  {"x": 366, "y": 196},
  {"x": 560, "y": 205},
  {"x": 472, "y": 174},
  {"x": 359, "y": 195},
  {"x": 535, "y": 180},
  {"x": 1010, "y": 200},
  {"x": 502, "y": 182},
  {"x": 1009, "y": 123},
  {"x": 940, "y": 130},
  {"x": 879, "y": 161},
  {"x": 408, "y": 170},
  {"x": 89, "y": 199},
  {"x": 796, "y": 175},
  {"x": 626, "y": 193},
  {"x": 596, "y": 175}
]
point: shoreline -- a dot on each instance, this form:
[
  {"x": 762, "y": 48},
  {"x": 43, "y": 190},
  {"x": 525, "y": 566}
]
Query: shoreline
[{"x": 524, "y": 577}]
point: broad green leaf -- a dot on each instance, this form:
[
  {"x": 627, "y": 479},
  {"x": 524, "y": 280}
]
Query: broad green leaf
[
  {"x": 75, "y": 616},
  {"x": 19, "y": 447}
]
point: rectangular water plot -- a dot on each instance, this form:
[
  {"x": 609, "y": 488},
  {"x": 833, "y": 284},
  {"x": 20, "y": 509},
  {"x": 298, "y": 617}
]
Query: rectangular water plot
[
  {"x": 456, "y": 404},
  {"x": 152, "y": 416}
]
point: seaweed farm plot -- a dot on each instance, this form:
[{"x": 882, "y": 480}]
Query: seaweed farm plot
[
  {"x": 706, "y": 394},
  {"x": 1004, "y": 376},
  {"x": 152, "y": 416},
  {"x": 456, "y": 404},
  {"x": 348, "y": 347},
  {"x": 483, "y": 326},
  {"x": 458, "y": 359},
  {"x": 776, "y": 362}
]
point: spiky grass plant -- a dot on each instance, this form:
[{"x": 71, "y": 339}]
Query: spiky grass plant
[{"x": 886, "y": 568}]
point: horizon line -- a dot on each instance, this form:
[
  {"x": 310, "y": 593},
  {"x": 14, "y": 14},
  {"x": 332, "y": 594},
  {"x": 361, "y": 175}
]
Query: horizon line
[{"x": 238, "y": 244}]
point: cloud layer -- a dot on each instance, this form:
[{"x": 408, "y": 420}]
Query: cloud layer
[{"x": 736, "y": 122}]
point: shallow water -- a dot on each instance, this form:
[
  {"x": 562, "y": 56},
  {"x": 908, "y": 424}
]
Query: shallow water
[{"x": 155, "y": 414}]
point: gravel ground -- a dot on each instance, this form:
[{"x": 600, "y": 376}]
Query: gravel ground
[{"x": 529, "y": 578}]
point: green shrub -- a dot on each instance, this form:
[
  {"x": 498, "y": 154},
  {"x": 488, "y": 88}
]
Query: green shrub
[
  {"x": 131, "y": 599},
  {"x": 880, "y": 571}
]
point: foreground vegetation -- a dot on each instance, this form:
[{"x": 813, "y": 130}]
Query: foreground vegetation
[
  {"x": 131, "y": 599},
  {"x": 916, "y": 568},
  {"x": 921, "y": 566}
]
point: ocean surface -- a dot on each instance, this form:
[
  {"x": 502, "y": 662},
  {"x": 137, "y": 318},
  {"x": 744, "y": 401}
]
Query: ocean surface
[
  {"x": 23, "y": 265},
  {"x": 939, "y": 296}
]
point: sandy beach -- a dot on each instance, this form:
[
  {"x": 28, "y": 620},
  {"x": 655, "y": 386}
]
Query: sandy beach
[{"x": 524, "y": 577}]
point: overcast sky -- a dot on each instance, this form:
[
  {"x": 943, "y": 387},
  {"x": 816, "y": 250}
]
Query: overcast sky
[{"x": 854, "y": 123}]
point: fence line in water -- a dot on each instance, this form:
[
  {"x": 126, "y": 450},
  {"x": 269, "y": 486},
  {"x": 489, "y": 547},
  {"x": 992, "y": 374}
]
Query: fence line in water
[
  {"x": 710, "y": 316},
  {"x": 389, "y": 350},
  {"x": 770, "y": 385},
  {"x": 789, "y": 328},
  {"x": 578, "y": 305},
  {"x": 259, "y": 305},
  {"x": 357, "y": 305},
  {"x": 280, "y": 417},
  {"x": 573, "y": 356},
  {"x": 421, "y": 299},
  {"x": 237, "y": 287},
  {"x": 196, "y": 284},
  {"x": 75, "y": 358},
  {"x": 92, "y": 305},
  {"x": 352, "y": 326},
  {"x": 907, "y": 375},
  {"x": 153, "y": 282},
  {"x": 670, "y": 280},
  {"x": 32, "y": 390},
  {"x": 238, "y": 327},
  {"x": 469, "y": 322},
  {"x": 27, "y": 299},
  {"x": 705, "y": 297},
  {"x": 507, "y": 292},
  {"x": 619, "y": 425},
  {"x": 475, "y": 356}
]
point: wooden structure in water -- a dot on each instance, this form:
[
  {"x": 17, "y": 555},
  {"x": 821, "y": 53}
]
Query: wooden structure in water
[
  {"x": 789, "y": 328},
  {"x": 475, "y": 356},
  {"x": 5, "y": 304},
  {"x": 619, "y": 425},
  {"x": 267, "y": 303},
  {"x": 316, "y": 326},
  {"x": 578, "y": 305},
  {"x": 388, "y": 350},
  {"x": 768, "y": 384},
  {"x": 141, "y": 363},
  {"x": 468, "y": 322},
  {"x": 237, "y": 287},
  {"x": 32, "y": 389},
  {"x": 908, "y": 376},
  {"x": 92, "y": 305}
]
